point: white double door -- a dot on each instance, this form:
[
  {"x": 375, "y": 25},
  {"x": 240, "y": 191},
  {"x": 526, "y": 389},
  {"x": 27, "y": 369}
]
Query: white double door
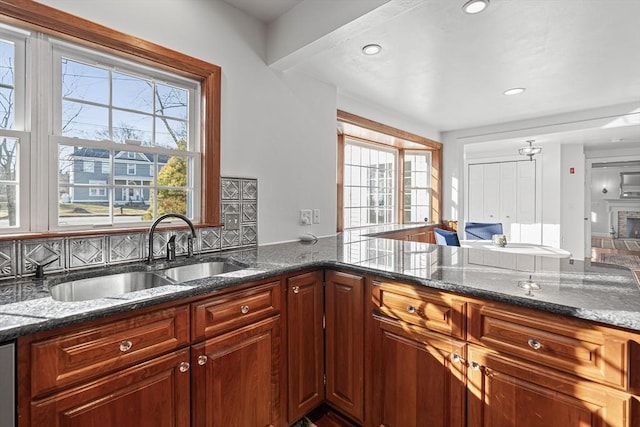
[{"x": 504, "y": 192}]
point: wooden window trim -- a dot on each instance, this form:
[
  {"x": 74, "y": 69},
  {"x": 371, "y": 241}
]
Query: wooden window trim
[
  {"x": 402, "y": 140},
  {"x": 38, "y": 17}
]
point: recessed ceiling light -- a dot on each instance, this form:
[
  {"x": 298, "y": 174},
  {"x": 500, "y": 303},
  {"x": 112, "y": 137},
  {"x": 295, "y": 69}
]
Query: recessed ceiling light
[
  {"x": 475, "y": 6},
  {"x": 371, "y": 49},
  {"x": 514, "y": 91}
]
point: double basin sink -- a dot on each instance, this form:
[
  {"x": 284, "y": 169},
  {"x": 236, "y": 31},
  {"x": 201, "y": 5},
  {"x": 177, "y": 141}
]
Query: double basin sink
[{"x": 123, "y": 283}]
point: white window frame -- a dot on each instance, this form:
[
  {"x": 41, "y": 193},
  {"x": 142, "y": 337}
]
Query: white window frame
[
  {"x": 97, "y": 191},
  {"x": 131, "y": 169},
  {"x": 105, "y": 168},
  {"x": 429, "y": 188},
  {"x": 394, "y": 193},
  {"x": 21, "y": 130},
  {"x": 63, "y": 49},
  {"x": 88, "y": 166}
]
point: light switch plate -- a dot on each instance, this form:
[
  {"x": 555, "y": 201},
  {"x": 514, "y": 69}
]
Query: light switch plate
[{"x": 232, "y": 221}]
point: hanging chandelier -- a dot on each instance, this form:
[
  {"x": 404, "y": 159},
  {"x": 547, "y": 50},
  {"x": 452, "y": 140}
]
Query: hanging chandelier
[{"x": 530, "y": 150}]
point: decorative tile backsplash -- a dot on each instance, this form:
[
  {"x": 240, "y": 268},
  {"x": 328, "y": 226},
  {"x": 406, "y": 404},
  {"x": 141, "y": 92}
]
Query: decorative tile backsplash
[{"x": 238, "y": 196}]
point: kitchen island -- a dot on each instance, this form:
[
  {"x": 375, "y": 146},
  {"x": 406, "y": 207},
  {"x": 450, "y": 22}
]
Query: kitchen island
[{"x": 290, "y": 329}]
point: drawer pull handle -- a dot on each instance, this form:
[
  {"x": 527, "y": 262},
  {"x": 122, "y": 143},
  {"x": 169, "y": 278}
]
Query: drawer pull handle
[
  {"x": 244, "y": 309},
  {"x": 534, "y": 344},
  {"x": 202, "y": 359},
  {"x": 125, "y": 346},
  {"x": 411, "y": 309},
  {"x": 296, "y": 289},
  {"x": 184, "y": 366},
  {"x": 456, "y": 358}
]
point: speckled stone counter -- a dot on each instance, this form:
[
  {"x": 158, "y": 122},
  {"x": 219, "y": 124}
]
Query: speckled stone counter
[{"x": 604, "y": 293}]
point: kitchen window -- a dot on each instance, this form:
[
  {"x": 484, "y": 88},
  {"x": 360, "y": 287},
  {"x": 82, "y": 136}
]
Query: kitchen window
[
  {"x": 138, "y": 124},
  {"x": 369, "y": 184},
  {"x": 385, "y": 175}
]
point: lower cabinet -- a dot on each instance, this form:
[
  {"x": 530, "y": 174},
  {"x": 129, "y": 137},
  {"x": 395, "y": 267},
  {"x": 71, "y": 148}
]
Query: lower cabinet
[
  {"x": 152, "y": 394},
  {"x": 418, "y": 377},
  {"x": 236, "y": 377},
  {"x": 345, "y": 347},
  {"x": 305, "y": 347},
  {"x": 503, "y": 391}
]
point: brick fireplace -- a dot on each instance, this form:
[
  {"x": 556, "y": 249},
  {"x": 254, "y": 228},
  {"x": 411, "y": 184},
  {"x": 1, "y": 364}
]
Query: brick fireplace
[{"x": 623, "y": 218}]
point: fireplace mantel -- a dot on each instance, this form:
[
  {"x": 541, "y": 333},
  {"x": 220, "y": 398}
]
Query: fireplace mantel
[{"x": 616, "y": 220}]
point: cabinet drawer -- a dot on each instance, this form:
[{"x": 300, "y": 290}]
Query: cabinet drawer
[
  {"x": 569, "y": 345},
  {"x": 225, "y": 312},
  {"x": 436, "y": 311},
  {"x": 88, "y": 352}
]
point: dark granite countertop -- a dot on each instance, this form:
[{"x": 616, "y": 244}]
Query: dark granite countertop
[{"x": 600, "y": 292}]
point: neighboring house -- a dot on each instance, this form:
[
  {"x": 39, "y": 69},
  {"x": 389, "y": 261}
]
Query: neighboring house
[{"x": 133, "y": 176}]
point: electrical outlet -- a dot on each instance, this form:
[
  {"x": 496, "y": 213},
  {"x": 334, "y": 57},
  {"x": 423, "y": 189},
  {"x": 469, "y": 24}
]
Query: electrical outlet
[
  {"x": 305, "y": 217},
  {"x": 316, "y": 216},
  {"x": 232, "y": 221}
]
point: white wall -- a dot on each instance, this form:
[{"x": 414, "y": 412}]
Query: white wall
[
  {"x": 276, "y": 127},
  {"x": 572, "y": 206}
]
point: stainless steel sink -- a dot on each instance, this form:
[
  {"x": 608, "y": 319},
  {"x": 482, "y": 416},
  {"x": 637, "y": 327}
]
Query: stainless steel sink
[
  {"x": 185, "y": 273},
  {"x": 106, "y": 286}
]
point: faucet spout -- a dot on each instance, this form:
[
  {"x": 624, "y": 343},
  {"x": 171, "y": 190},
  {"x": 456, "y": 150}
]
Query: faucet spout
[{"x": 152, "y": 230}]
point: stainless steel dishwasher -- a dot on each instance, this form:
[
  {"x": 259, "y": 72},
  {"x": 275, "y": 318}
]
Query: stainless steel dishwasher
[{"x": 7, "y": 385}]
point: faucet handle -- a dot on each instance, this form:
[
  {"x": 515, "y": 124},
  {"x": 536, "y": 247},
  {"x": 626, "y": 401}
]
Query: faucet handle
[
  {"x": 171, "y": 248},
  {"x": 189, "y": 246}
]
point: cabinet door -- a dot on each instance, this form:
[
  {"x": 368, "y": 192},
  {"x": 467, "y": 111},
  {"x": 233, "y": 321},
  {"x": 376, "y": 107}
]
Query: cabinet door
[
  {"x": 508, "y": 211},
  {"x": 151, "y": 394},
  {"x": 475, "y": 210},
  {"x": 418, "y": 378},
  {"x": 305, "y": 343},
  {"x": 491, "y": 192},
  {"x": 345, "y": 342},
  {"x": 504, "y": 392},
  {"x": 236, "y": 378}
]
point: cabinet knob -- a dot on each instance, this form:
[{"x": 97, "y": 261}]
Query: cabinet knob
[
  {"x": 244, "y": 309},
  {"x": 184, "y": 366},
  {"x": 125, "y": 346},
  {"x": 475, "y": 366},
  {"x": 411, "y": 309},
  {"x": 534, "y": 343},
  {"x": 202, "y": 359},
  {"x": 456, "y": 358},
  {"x": 295, "y": 289}
]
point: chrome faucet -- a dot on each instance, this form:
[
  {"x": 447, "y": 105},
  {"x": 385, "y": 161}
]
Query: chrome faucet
[{"x": 190, "y": 239}]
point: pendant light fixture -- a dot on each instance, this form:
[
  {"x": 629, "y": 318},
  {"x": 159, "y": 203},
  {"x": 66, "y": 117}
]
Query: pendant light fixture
[{"x": 530, "y": 150}]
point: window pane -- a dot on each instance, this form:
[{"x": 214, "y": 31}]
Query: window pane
[
  {"x": 85, "y": 121},
  {"x": 417, "y": 187},
  {"x": 171, "y": 134},
  {"x": 368, "y": 186},
  {"x": 132, "y": 126},
  {"x": 83, "y": 206},
  {"x": 7, "y": 81},
  {"x": 172, "y": 101},
  {"x": 8, "y": 159},
  {"x": 132, "y": 93},
  {"x": 9, "y": 214},
  {"x": 84, "y": 82}
]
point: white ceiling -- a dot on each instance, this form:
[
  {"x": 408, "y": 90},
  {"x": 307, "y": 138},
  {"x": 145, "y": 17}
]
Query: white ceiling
[
  {"x": 449, "y": 69},
  {"x": 264, "y": 10}
]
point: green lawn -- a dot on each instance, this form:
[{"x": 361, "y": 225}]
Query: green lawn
[{"x": 97, "y": 209}]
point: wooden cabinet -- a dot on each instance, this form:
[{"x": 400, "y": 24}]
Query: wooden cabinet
[
  {"x": 344, "y": 301},
  {"x": 127, "y": 371},
  {"x": 237, "y": 371},
  {"x": 504, "y": 391},
  {"x": 305, "y": 347},
  {"x": 439, "y": 359},
  {"x": 151, "y": 394},
  {"x": 236, "y": 377},
  {"x": 417, "y": 369}
]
